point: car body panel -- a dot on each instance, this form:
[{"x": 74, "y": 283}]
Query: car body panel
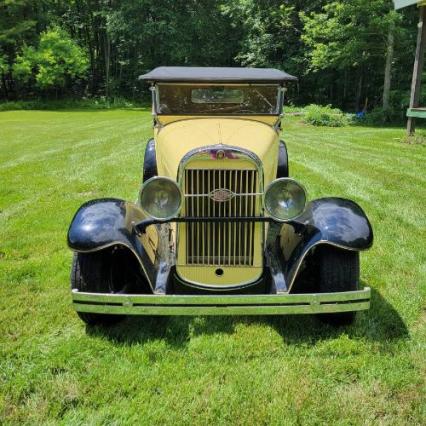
[
  {"x": 270, "y": 120},
  {"x": 175, "y": 140}
]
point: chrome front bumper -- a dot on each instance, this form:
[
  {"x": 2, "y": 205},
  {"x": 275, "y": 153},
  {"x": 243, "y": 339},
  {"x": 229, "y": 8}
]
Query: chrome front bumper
[{"x": 267, "y": 304}]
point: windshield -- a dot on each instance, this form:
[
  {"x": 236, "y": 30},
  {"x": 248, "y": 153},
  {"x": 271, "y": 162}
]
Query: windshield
[{"x": 181, "y": 99}]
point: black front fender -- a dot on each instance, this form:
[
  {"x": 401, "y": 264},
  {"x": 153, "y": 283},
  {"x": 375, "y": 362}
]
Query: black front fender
[
  {"x": 335, "y": 221},
  {"x": 103, "y": 223},
  {"x": 338, "y": 221}
]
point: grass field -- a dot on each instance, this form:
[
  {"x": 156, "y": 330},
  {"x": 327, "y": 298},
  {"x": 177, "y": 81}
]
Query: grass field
[{"x": 200, "y": 370}]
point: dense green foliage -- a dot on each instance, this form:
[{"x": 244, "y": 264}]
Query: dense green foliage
[
  {"x": 56, "y": 61},
  {"x": 352, "y": 54},
  {"x": 325, "y": 116},
  {"x": 97, "y": 103},
  {"x": 204, "y": 370}
]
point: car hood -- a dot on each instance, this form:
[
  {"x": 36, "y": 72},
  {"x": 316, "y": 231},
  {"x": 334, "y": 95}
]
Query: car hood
[{"x": 176, "y": 139}]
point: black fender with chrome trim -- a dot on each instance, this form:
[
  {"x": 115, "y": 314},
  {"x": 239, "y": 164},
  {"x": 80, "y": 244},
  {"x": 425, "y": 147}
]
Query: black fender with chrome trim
[
  {"x": 103, "y": 223},
  {"x": 107, "y": 222},
  {"x": 282, "y": 168},
  {"x": 150, "y": 161},
  {"x": 335, "y": 221}
]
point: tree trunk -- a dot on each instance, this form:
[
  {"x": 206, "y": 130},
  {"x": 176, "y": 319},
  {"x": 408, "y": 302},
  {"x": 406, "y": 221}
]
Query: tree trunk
[
  {"x": 388, "y": 67},
  {"x": 107, "y": 62},
  {"x": 345, "y": 88},
  {"x": 88, "y": 29},
  {"x": 4, "y": 84},
  {"x": 359, "y": 93}
]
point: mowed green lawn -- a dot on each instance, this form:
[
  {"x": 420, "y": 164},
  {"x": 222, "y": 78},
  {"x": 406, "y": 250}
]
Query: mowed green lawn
[{"x": 199, "y": 370}]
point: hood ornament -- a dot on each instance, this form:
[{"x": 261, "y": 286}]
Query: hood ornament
[{"x": 221, "y": 195}]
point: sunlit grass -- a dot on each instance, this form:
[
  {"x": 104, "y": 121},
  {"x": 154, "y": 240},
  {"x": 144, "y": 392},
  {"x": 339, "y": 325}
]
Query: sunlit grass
[{"x": 204, "y": 369}]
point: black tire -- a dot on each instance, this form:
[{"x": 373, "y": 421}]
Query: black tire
[
  {"x": 338, "y": 271},
  {"x": 93, "y": 272}
]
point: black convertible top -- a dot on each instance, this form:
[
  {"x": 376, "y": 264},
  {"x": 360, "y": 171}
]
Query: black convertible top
[{"x": 216, "y": 75}]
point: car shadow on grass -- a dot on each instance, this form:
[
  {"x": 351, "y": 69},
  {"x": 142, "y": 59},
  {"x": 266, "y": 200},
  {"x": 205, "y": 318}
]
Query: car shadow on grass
[{"x": 382, "y": 324}]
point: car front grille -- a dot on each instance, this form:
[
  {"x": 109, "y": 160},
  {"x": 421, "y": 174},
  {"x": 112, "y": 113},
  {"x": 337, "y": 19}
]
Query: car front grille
[{"x": 223, "y": 194}]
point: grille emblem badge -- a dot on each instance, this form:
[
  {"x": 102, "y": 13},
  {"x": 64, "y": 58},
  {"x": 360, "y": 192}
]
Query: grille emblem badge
[
  {"x": 220, "y": 155},
  {"x": 221, "y": 195}
]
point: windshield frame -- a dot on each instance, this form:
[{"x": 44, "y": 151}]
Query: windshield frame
[{"x": 155, "y": 88}]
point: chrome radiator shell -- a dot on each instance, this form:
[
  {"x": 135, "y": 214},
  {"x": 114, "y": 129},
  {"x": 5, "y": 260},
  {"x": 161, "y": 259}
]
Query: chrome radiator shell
[{"x": 220, "y": 181}]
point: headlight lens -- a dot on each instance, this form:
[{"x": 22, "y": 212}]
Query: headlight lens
[
  {"x": 284, "y": 199},
  {"x": 160, "y": 198}
]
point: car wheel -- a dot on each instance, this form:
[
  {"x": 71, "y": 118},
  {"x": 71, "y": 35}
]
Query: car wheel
[
  {"x": 338, "y": 271},
  {"x": 92, "y": 272}
]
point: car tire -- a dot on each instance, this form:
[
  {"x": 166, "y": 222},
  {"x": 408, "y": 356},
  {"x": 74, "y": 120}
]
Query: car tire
[
  {"x": 338, "y": 271},
  {"x": 91, "y": 272}
]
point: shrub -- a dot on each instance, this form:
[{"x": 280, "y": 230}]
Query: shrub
[
  {"x": 92, "y": 103},
  {"x": 381, "y": 116},
  {"x": 18, "y": 105},
  {"x": 56, "y": 59},
  {"x": 325, "y": 116}
]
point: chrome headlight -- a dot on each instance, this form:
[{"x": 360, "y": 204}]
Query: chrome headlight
[
  {"x": 284, "y": 199},
  {"x": 160, "y": 198}
]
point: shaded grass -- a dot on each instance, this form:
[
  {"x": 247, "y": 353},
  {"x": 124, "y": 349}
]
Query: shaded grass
[{"x": 289, "y": 370}]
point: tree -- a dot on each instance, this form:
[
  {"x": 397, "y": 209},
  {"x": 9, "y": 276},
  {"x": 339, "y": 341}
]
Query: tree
[
  {"x": 55, "y": 62},
  {"x": 4, "y": 69},
  {"x": 265, "y": 25},
  {"x": 270, "y": 36},
  {"x": 342, "y": 51},
  {"x": 149, "y": 33},
  {"x": 353, "y": 37},
  {"x": 19, "y": 22},
  {"x": 388, "y": 67}
]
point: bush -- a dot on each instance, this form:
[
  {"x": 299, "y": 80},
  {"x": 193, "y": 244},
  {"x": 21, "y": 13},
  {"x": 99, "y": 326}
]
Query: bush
[
  {"x": 92, "y": 103},
  {"x": 325, "y": 116},
  {"x": 381, "y": 116},
  {"x": 17, "y": 105},
  {"x": 57, "y": 59}
]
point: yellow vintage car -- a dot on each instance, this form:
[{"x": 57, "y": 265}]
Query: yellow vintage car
[{"x": 219, "y": 227}]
